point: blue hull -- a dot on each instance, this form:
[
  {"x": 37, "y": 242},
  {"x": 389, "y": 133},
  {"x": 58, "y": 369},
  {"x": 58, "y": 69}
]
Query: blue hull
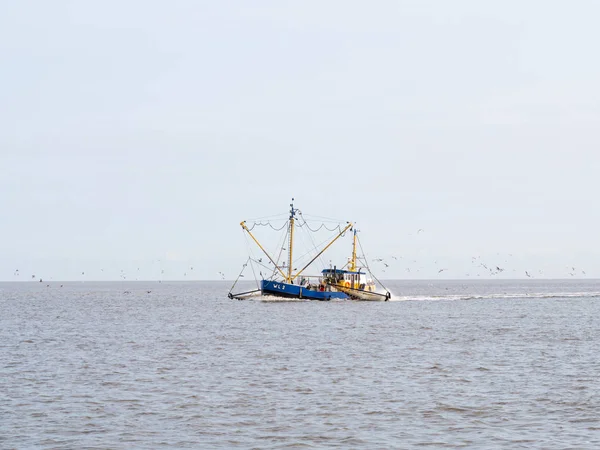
[{"x": 287, "y": 290}]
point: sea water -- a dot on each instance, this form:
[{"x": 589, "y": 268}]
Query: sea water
[{"x": 487, "y": 364}]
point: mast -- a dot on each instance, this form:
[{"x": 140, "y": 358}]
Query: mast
[
  {"x": 291, "y": 243},
  {"x": 353, "y": 260}
]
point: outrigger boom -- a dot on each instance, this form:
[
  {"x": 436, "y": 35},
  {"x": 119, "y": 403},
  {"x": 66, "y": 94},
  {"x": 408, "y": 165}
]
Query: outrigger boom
[{"x": 243, "y": 224}]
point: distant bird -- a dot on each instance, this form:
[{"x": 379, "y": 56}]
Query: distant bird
[
  {"x": 241, "y": 275},
  {"x": 499, "y": 269},
  {"x": 420, "y": 230},
  {"x": 583, "y": 272},
  {"x": 527, "y": 273},
  {"x": 378, "y": 259},
  {"x": 82, "y": 273},
  {"x": 33, "y": 277},
  {"x": 386, "y": 264},
  {"x": 148, "y": 292},
  {"x": 191, "y": 268},
  {"x": 259, "y": 260},
  {"x": 441, "y": 270},
  {"x": 408, "y": 269}
]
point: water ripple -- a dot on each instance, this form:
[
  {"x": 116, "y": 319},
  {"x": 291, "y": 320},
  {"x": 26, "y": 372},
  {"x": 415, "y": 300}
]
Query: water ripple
[{"x": 87, "y": 366}]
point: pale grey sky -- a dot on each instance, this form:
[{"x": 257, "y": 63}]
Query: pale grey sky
[{"x": 134, "y": 131}]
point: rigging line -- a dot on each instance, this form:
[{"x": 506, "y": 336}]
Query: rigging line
[
  {"x": 261, "y": 264},
  {"x": 308, "y": 253},
  {"x": 285, "y": 235},
  {"x": 250, "y": 249},
  {"x": 305, "y": 224},
  {"x": 267, "y": 224},
  {"x": 248, "y": 246},
  {"x": 250, "y": 257},
  {"x": 239, "y": 276},
  {"x": 326, "y": 219},
  {"x": 277, "y": 229},
  {"x": 274, "y": 216},
  {"x": 254, "y": 273},
  {"x": 321, "y": 261},
  {"x": 322, "y": 244},
  {"x": 367, "y": 264},
  {"x": 322, "y": 225},
  {"x": 315, "y": 248},
  {"x": 254, "y": 258}
]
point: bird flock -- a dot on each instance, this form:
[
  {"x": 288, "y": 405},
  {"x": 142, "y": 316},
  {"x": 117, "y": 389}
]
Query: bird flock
[
  {"x": 123, "y": 274},
  {"x": 502, "y": 263},
  {"x": 478, "y": 268},
  {"x": 393, "y": 265}
]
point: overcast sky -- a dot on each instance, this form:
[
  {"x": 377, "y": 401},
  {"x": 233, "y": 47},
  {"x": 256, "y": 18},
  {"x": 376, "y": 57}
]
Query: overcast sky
[{"x": 139, "y": 131}]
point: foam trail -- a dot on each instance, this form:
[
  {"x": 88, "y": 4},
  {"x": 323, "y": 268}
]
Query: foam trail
[
  {"x": 274, "y": 298},
  {"x": 524, "y": 295}
]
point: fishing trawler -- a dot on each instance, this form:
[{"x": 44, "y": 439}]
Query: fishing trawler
[{"x": 287, "y": 282}]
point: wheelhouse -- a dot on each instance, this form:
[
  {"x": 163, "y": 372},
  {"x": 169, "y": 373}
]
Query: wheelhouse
[{"x": 346, "y": 278}]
